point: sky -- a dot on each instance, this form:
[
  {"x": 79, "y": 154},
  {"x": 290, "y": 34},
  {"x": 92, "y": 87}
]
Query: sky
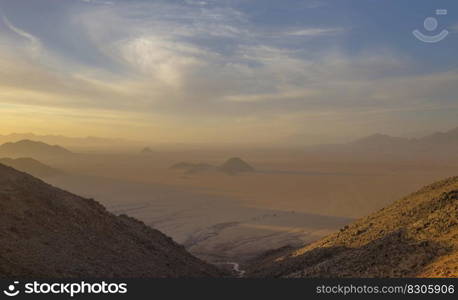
[{"x": 264, "y": 72}]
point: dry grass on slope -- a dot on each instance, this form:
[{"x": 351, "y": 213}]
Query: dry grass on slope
[{"x": 415, "y": 236}]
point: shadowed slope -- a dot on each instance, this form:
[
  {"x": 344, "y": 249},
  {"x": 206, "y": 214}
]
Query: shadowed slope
[{"x": 47, "y": 232}]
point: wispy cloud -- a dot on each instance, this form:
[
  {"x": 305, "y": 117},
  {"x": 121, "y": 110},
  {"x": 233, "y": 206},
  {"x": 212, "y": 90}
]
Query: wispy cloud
[
  {"x": 313, "y": 32},
  {"x": 99, "y": 2},
  {"x": 34, "y": 42},
  {"x": 207, "y": 64}
]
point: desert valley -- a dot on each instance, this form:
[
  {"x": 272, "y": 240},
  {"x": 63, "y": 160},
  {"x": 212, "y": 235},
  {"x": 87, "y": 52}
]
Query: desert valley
[
  {"x": 231, "y": 211},
  {"x": 229, "y": 139}
]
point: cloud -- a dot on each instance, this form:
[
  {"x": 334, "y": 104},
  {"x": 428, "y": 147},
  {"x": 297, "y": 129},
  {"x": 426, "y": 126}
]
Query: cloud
[
  {"x": 166, "y": 71},
  {"x": 199, "y": 3},
  {"x": 98, "y": 2},
  {"x": 201, "y": 65},
  {"x": 314, "y": 32},
  {"x": 163, "y": 60},
  {"x": 34, "y": 42}
]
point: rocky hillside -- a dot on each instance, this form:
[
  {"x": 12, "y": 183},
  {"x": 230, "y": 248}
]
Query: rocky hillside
[
  {"x": 47, "y": 232},
  {"x": 416, "y": 236}
]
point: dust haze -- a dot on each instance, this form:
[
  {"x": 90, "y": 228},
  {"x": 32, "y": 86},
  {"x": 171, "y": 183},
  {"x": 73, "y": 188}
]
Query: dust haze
[
  {"x": 231, "y": 205},
  {"x": 236, "y": 128}
]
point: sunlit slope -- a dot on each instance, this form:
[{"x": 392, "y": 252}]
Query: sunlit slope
[{"x": 415, "y": 236}]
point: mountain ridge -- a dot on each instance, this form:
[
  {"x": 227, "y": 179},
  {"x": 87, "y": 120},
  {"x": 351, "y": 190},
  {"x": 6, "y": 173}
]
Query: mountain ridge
[
  {"x": 30, "y": 166},
  {"x": 47, "y": 232},
  {"x": 29, "y": 148},
  {"x": 448, "y": 136},
  {"x": 61, "y": 139}
]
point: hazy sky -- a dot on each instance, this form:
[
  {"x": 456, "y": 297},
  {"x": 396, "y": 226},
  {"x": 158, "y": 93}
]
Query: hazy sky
[{"x": 237, "y": 71}]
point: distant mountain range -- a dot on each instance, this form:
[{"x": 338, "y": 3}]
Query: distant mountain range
[
  {"x": 436, "y": 139},
  {"x": 31, "y": 166},
  {"x": 232, "y": 166},
  {"x": 63, "y": 140},
  {"x": 437, "y": 146},
  {"x": 28, "y": 148},
  {"x": 46, "y": 232},
  {"x": 441, "y": 142},
  {"x": 416, "y": 236}
]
